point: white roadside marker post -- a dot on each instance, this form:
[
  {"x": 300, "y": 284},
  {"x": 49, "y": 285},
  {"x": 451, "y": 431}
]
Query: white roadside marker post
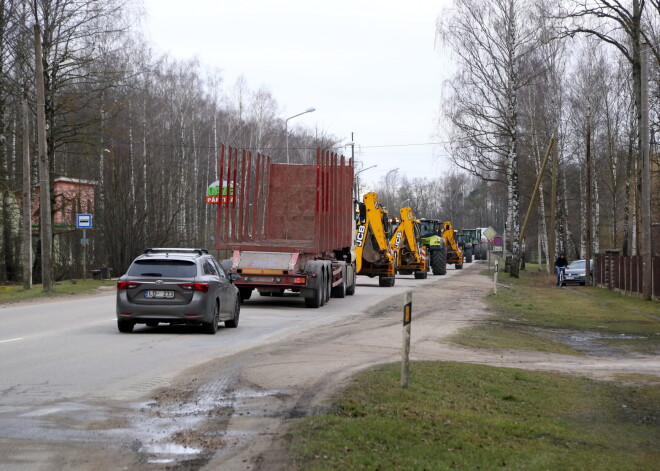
[
  {"x": 407, "y": 318},
  {"x": 497, "y": 269}
]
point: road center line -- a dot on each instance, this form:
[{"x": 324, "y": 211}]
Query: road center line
[{"x": 11, "y": 340}]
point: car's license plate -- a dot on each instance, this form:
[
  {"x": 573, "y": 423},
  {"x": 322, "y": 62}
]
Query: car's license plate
[
  {"x": 159, "y": 293},
  {"x": 569, "y": 277}
]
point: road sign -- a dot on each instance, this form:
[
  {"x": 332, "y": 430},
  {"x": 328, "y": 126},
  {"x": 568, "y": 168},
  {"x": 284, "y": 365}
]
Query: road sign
[
  {"x": 497, "y": 248},
  {"x": 489, "y": 233},
  {"x": 497, "y": 241},
  {"x": 84, "y": 221}
]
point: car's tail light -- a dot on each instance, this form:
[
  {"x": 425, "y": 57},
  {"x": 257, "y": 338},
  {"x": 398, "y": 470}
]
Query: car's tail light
[
  {"x": 127, "y": 285},
  {"x": 203, "y": 287},
  {"x": 300, "y": 280}
]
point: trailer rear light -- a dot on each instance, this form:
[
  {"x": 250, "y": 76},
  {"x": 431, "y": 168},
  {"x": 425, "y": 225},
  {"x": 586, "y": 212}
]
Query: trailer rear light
[
  {"x": 203, "y": 287},
  {"x": 300, "y": 280},
  {"x": 127, "y": 285}
]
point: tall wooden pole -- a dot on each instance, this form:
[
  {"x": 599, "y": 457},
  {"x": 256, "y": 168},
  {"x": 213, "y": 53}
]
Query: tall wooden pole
[
  {"x": 553, "y": 205},
  {"x": 587, "y": 271},
  {"x": 646, "y": 180},
  {"x": 405, "y": 352},
  {"x": 26, "y": 207},
  {"x": 536, "y": 187},
  {"x": 45, "y": 223}
]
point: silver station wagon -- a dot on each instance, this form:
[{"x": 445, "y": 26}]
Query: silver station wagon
[{"x": 177, "y": 286}]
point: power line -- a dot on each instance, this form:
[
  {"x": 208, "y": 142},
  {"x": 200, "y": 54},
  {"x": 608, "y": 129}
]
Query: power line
[
  {"x": 262, "y": 149},
  {"x": 405, "y": 145}
]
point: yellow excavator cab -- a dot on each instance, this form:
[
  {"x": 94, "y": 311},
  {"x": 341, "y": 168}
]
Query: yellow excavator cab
[
  {"x": 454, "y": 252},
  {"x": 405, "y": 241},
  {"x": 374, "y": 256}
]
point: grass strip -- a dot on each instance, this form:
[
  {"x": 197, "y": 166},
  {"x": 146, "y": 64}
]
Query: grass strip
[
  {"x": 16, "y": 293},
  {"x": 528, "y": 312},
  {"x": 458, "y": 416}
]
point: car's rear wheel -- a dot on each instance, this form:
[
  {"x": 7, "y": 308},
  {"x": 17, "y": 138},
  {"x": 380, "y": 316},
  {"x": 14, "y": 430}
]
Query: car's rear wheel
[
  {"x": 233, "y": 323},
  {"x": 212, "y": 328},
  {"x": 125, "y": 326}
]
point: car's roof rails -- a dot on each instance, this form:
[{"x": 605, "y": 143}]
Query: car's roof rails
[{"x": 175, "y": 249}]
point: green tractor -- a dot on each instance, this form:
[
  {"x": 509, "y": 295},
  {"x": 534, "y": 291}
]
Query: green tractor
[
  {"x": 469, "y": 240},
  {"x": 477, "y": 249},
  {"x": 430, "y": 231}
]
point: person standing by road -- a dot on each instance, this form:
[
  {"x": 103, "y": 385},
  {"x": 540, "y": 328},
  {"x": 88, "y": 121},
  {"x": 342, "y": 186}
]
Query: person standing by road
[{"x": 560, "y": 266}]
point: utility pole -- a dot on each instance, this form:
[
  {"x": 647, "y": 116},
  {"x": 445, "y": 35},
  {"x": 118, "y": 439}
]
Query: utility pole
[
  {"x": 45, "y": 223},
  {"x": 352, "y": 150},
  {"x": 646, "y": 179},
  {"x": 26, "y": 247},
  {"x": 587, "y": 271},
  {"x": 552, "y": 244}
]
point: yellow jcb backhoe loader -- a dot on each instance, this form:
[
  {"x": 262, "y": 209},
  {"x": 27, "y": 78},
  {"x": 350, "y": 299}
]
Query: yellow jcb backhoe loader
[
  {"x": 374, "y": 256},
  {"x": 410, "y": 254},
  {"x": 454, "y": 253}
]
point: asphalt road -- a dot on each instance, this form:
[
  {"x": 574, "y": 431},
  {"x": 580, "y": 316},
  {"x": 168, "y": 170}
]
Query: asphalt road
[{"x": 61, "y": 359}]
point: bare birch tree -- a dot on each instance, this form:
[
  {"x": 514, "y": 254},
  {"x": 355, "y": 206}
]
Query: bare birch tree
[{"x": 490, "y": 41}]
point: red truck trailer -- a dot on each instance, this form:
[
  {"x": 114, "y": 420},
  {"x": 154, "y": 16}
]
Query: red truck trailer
[{"x": 288, "y": 226}]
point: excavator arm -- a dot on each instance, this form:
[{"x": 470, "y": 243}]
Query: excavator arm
[
  {"x": 454, "y": 252},
  {"x": 374, "y": 256},
  {"x": 405, "y": 241}
]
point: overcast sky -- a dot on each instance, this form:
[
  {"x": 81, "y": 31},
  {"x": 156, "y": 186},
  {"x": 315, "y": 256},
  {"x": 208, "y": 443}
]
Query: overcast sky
[{"x": 370, "y": 67}]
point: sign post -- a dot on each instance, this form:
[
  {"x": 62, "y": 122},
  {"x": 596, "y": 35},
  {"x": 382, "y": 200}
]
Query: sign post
[
  {"x": 407, "y": 319},
  {"x": 84, "y": 222},
  {"x": 497, "y": 269}
]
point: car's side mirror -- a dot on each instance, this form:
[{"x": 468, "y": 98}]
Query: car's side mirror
[{"x": 234, "y": 276}]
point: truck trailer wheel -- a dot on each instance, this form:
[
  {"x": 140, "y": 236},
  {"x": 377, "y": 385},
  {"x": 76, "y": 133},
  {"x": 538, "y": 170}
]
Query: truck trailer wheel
[
  {"x": 246, "y": 293},
  {"x": 317, "y": 299},
  {"x": 386, "y": 281},
  {"x": 339, "y": 291},
  {"x": 314, "y": 301},
  {"x": 352, "y": 279},
  {"x": 439, "y": 261}
]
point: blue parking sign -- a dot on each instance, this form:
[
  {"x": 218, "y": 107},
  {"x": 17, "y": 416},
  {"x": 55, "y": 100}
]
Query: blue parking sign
[{"x": 84, "y": 221}]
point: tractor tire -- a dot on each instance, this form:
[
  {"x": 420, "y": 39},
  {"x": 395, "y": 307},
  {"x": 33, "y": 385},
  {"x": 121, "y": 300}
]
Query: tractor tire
[
  {"x": 459, "y": 266},
  {"x": 468, "y": 256},
  {"x": 420, "y": 275},
  {"x": 439, "y": 261},
  {"x": 480, "y": 252},
  {"x": 386, "y": 281}
]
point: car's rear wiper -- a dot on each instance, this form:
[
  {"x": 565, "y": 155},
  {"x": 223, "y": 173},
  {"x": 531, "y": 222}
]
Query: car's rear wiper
[{"x": 150, "y": 274}]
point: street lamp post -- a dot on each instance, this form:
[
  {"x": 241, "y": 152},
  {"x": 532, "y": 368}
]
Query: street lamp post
[
  {"x": 286, "y": 129},
  {"x": 357, "y": 180}
]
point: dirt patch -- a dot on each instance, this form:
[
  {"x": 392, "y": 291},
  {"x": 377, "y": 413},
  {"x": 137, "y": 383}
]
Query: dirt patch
[
  {"x": 291, "y": 379},
  {"x": 233, "y": 413}
]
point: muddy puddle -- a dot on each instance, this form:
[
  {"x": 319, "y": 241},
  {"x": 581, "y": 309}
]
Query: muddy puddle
[
  {"x": 212, "y": 423},
  {"x": 595, "y": 343}
]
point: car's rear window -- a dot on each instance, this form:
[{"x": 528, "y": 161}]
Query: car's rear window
[{"x": 163, "y": 268}]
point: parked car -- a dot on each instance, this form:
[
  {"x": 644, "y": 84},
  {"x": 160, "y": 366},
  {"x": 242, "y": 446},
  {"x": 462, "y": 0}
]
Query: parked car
[
  {"x": 177, "y": 286},
  {"x": 575, "y": 272}
]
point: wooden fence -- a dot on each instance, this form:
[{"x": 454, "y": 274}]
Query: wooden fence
[{"x": 624, "y": 274}]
